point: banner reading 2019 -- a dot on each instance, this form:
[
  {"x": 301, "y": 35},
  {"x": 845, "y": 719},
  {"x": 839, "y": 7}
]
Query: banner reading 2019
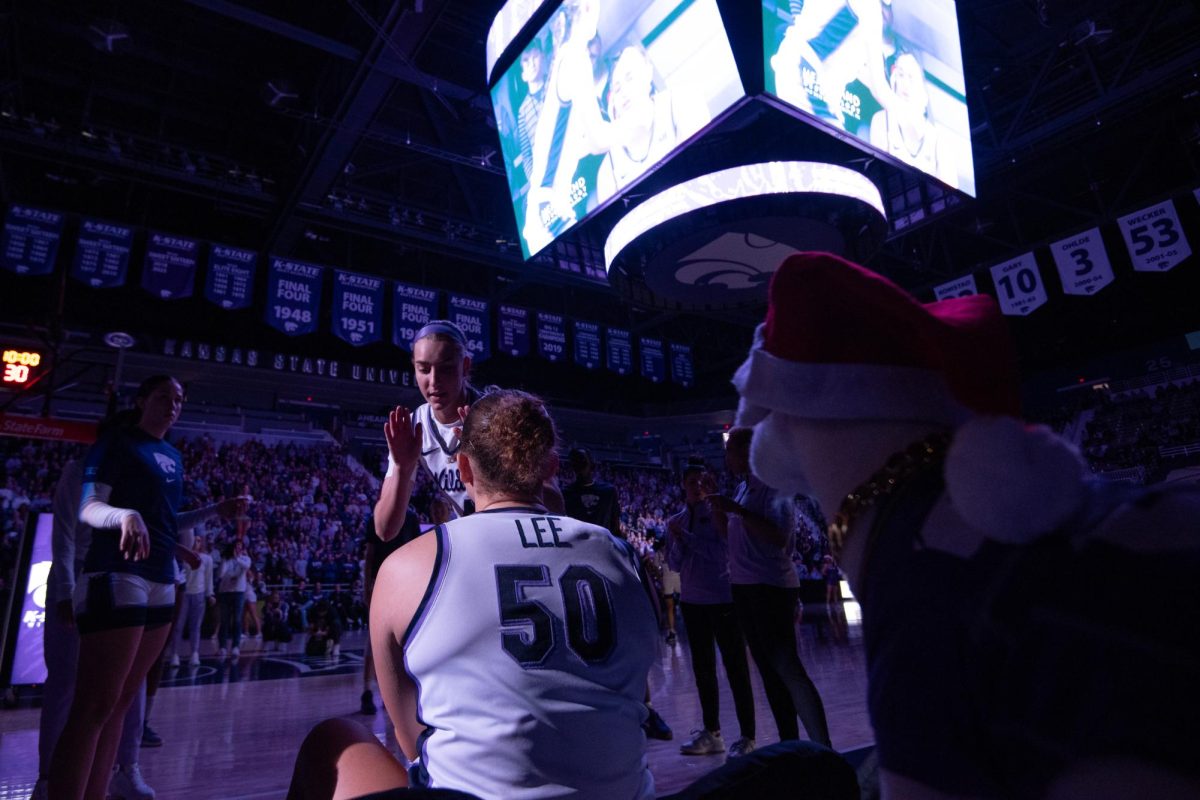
[
  {"x": 293, "y": 296},
  {"x": 357, "y": 308}
]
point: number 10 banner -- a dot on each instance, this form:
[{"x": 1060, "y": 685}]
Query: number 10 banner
[
  {"x": 1155, "y": 238},
  {"x": 1019, "y": 286},
  {"x": 1082, "y": 263}
]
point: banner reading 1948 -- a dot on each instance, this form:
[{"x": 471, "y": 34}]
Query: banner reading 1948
[{"x": 293, "y": 296}]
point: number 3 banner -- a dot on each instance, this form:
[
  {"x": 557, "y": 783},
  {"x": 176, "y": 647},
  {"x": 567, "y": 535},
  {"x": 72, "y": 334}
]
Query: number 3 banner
[
  {"x": 1082, "y": 263},
  {"x": 1155, "y": 238},
  {"x": 1019, "y": 286}
]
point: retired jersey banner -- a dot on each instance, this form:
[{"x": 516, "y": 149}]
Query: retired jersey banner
[
  {"x": 357, "y": 308},
  {"x": 293, "y": 296},
  {"x": 512, "y": 328},
  {"x": 619, "y": 351},
  {"x": 587, "y": 344},
  {"x": 1019, "y": 286},
  {"x": 30, "y": 241},
  {"x": 169, "y": 269},
  {"x": 681, "y": 365},
  {"x": 230, "y": 281},
  {"x": 102, "y": 254},
  {"x": 551, "y": 336},
  {"x": 959, "y": 287},
  {"x": 412, "y": 308},
  {"x": 1082, "y": 263},
  {"x": 654, "y": 365},
  {"x": 471, "y": 314},
  {"x": 1155, "y": 238}
]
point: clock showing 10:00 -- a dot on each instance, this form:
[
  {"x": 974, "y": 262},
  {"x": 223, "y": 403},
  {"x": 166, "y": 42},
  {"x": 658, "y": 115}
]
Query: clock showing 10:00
[{"x": 18, "y": 364}]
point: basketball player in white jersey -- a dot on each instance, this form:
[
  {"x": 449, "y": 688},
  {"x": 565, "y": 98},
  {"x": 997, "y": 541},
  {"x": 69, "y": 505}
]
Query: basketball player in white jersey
[
  {"x": 512, "y": 646},
  {"x": 441, "y": 365}
]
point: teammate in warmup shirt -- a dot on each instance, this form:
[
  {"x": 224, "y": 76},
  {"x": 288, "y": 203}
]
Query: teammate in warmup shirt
[{"x": 512, "y": 646}]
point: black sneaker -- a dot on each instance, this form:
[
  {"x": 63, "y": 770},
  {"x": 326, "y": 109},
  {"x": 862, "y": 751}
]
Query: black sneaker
[
  {"x": 656, "y": 727},
  {"x": 150, "y": 738},
  {"x": 368, "y": 703}
]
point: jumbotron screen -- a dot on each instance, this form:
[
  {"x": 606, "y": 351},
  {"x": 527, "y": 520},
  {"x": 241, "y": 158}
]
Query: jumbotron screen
[
  {"x": 605, "y": 91},
  {"x": 887, "y": 72}
]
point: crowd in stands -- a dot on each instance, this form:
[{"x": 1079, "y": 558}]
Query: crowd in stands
[{"x": 1129, "y": 430}]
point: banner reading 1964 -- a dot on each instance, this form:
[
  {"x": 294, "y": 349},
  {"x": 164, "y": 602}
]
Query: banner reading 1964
[
  {"x": 230, "y": 282},
  {"x": 512, "y": 326},
  {"x": 587, "y": 344},
  {"x": 619, "y": 350},
  {"x": 681, "y": 365},
  {"x": 412, "y": 308},
  {"x": 654, "y": 364},
  {"x": 551, "y": 336},
  {"x": 471, "y": 314},
  {"x": 30, "y": 241},
  {"x": 293, "y": 296},
  {"x": 102, "y": 254},
  {"x": 1155, "y": 238},
  {"x": 357, "y": 308},
  {"x": 169, "y": 269}
]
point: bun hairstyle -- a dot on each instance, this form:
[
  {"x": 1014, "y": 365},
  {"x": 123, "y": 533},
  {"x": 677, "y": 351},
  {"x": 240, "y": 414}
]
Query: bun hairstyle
[
  {"x": 509, "y": 437},
  {"x": 129, "y": 417}
]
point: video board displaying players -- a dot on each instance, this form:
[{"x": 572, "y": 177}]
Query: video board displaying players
[
  {"x": 606, "y": 90},
  {"x": 888, "y": 72}
]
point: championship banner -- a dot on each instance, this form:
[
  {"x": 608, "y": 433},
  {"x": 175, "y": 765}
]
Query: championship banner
[
  {"x": 102, "y": 254},
  {"x": 1155, "y": 238},
  {"x": 619, "y": 351},
  {"x": 1019, "y": 286},
  {"x": 551, "y": 336},
  {"x": 1082, "y": 263},
  {"x": 169, "y": 269},
  {"x": 357, "y": 308},
  {"x": 587, "y": 344},
  {"x": 293, "y": 296},
  {"x": 654, "y": 365},
  {"x": 230, "y": 281},
  {"x": 412, "y": 308},
  {"x": 513, "y": 330},
  {"x": 959, "y": 287},
  {"x": 471, "y": 314},
  {"x": 30, "y": 241},
  {"x": 681, "y": 365}
]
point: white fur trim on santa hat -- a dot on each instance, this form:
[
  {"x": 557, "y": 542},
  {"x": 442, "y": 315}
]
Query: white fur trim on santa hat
[
  {"x": 1011, "y": 481},
  {"x": 773, "y": 454},
  {"x": 841, "y": 391}
]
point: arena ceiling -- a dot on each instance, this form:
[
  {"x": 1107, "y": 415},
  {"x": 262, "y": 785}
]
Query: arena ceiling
[{"x": 359, "y": 133}]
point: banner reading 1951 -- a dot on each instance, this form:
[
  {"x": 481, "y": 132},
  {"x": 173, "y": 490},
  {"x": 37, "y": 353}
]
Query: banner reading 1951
[
  {"x": 293, "y": 296},
  {"x": 357, "y": 308},
  {"x": 30, "y": 240},
  {"x": 471, "y": 314},
  {"x": 412, "y": 308}
]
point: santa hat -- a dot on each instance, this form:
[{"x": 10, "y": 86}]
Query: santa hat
[{"x": 840, "y": 342}]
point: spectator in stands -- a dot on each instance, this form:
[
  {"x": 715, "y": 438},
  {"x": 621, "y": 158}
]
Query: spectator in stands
[
  {"x": 275, "y": 625},
  {"x": 698, "y": 550},
  {"x": 198, "y": 595},
  {"x": 589, "y": 499},
  {"x": 231, "y": 597},
  {"x": 132, "y": 491}
]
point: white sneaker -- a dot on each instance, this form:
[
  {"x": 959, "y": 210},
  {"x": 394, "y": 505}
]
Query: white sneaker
[
  {"x": 194, "y": 661},
  {"x": 741, "y": 747},
  {"x": 234, "y": 653},
  {"x": 704, "y": 743},
  {"x": 337, "y": 651},
  {"x": 175, "y": 660},
  {"x": 127, "y": 784},
  {"x": 221, "y": 654}
]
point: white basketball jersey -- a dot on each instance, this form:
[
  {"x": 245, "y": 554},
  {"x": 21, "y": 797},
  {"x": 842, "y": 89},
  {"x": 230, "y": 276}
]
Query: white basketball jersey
[
  {"x": 439, "y": 452},
  {"x": 530, "y": 652}
]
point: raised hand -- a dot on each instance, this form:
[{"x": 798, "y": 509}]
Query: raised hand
[{"x": 403, "y": 438}]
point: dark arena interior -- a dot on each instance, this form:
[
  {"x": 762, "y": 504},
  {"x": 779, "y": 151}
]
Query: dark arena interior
[{"x": 249, "y": 244}]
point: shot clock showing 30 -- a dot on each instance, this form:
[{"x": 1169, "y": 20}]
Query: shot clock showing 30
[{"x": 18, "y": 366}]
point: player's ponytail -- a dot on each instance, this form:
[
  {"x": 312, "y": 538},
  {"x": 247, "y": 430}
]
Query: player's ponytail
[{"x": 510, "y": 439}]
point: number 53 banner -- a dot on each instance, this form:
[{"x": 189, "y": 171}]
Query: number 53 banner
[
  {"x": 1019, "y": 286},
  {"x": 1155, "y": 238},
  {"x": 1082, "y": 263}
]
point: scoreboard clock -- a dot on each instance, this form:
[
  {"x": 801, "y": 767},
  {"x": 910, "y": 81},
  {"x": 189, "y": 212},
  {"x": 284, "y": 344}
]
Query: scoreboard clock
[{"x": 17, "y": 366}]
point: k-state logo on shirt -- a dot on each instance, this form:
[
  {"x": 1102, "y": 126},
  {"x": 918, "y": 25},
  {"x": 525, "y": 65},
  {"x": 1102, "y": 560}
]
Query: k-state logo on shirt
[{"x": 165, "y": 463}]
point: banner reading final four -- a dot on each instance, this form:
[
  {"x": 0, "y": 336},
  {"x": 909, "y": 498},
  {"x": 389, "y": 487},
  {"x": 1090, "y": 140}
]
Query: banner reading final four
[
  {"x": 30, "y": 240},
  {"x": 412, "y": 308},
  {"x": 230, "y": 281},
  {"x": 169, "y": 269},
  {"x": 357, "y": 308},
  {"x": 471, "y": 314},
  {"x": 293, "y": 296}
]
